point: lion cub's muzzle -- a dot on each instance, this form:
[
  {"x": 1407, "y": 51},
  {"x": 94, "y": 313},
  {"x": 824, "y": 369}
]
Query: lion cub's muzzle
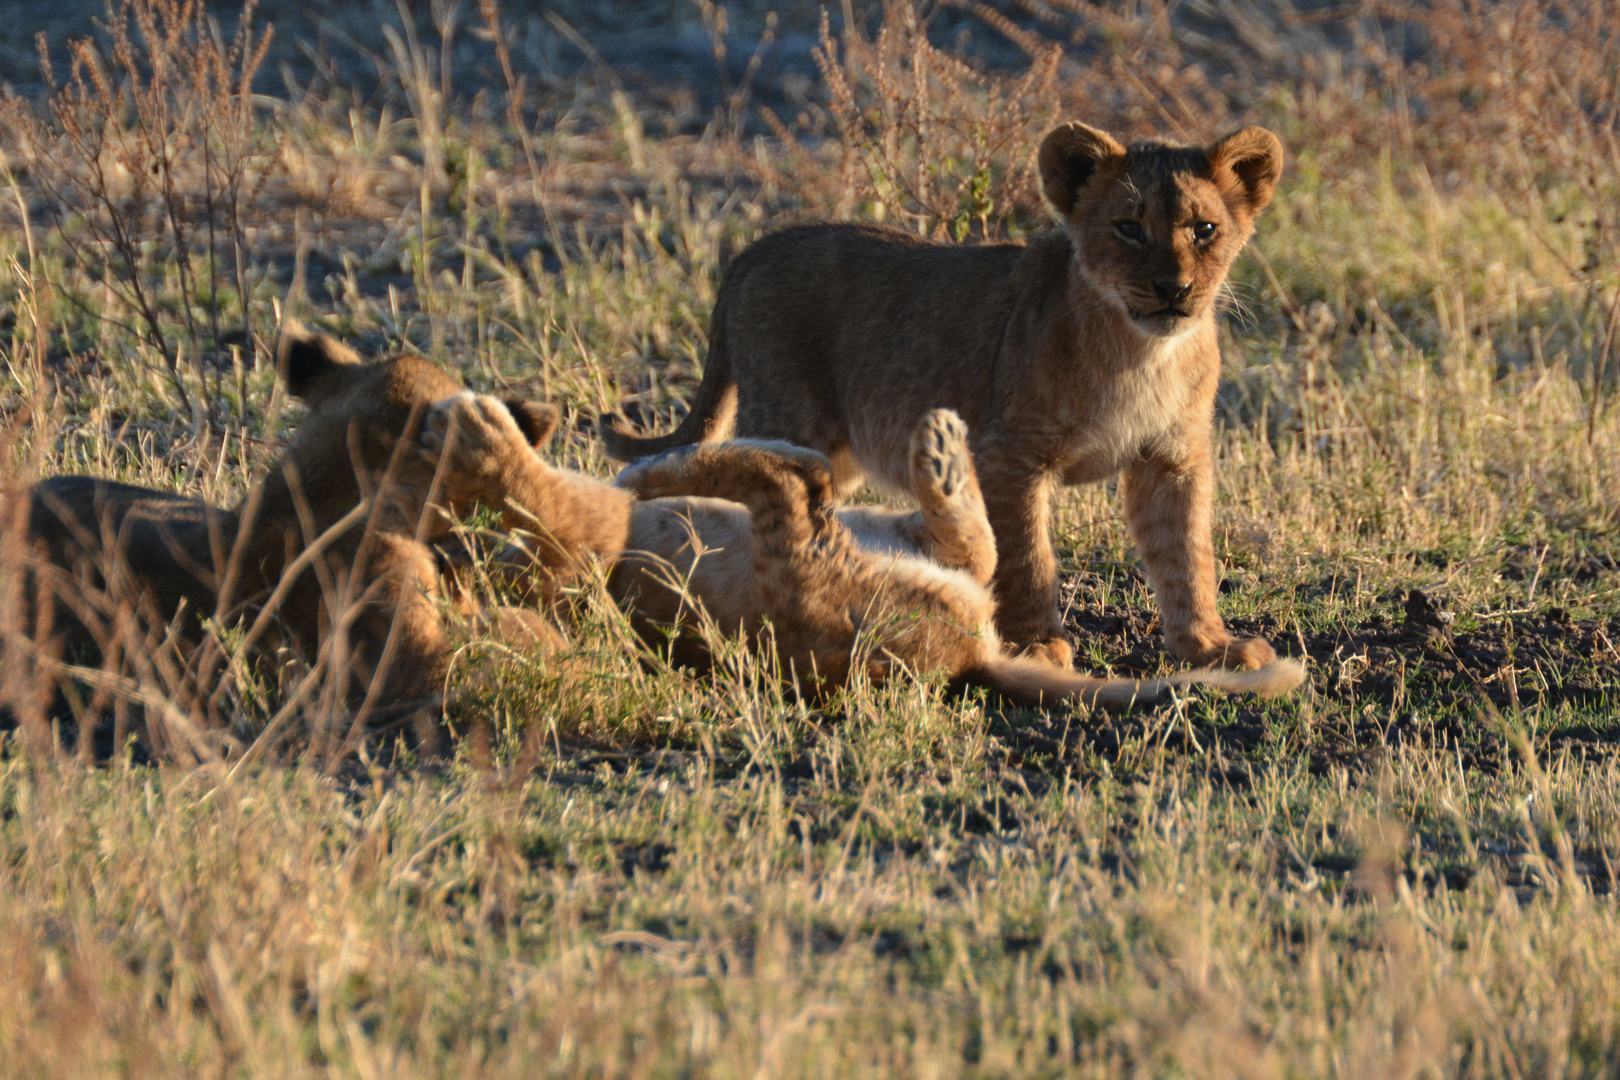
[{"x": 1164, "y": 307}]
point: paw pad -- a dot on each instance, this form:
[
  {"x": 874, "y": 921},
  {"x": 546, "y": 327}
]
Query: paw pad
[{"x": 944, "y": 451}]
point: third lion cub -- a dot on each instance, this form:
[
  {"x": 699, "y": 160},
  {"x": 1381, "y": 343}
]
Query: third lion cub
[{"x": 1090, "y": 351}]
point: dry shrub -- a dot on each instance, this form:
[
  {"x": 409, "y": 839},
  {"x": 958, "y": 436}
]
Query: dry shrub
[
  {"x": 926, "y": 138},
  {"x": 946, "y": 146},
  {"x": 1524, "y": 89},
  {"x": 142, "y": 156},
  {"x": 1529, "y": 95}
]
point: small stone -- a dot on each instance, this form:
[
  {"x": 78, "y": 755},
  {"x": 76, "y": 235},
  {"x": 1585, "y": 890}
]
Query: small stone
[{"x": 1424, "y": 618}]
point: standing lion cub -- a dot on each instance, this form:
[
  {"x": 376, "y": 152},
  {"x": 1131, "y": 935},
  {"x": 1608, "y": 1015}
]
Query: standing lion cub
[{"x": 1088, "y": 352}]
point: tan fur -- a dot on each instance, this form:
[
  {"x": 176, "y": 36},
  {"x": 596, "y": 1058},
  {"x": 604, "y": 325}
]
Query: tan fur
[
  {"x": 1089, "y": 352},
  {"x": 747, "y": 531},
  {"x": 346, "y": 507},
  {"x": 342, "y": 532}
]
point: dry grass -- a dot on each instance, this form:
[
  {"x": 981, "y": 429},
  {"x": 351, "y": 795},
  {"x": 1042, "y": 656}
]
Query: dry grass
[{"x": 1406, "y": 872}]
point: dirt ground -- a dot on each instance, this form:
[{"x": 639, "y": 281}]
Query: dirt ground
[{"x": 1376, "y": 682}]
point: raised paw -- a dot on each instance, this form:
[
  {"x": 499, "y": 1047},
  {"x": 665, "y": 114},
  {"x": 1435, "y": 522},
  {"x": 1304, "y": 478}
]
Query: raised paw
[
  {"x": 445, "y": 423},
  {"x": 477, "y": 424},
  {"x": 435, "y": 432},
  {"x": 470, "y": 437},
  {"x": 940, "y": 460}
]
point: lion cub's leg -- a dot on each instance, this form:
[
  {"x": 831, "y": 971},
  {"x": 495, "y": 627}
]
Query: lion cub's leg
[
  {"x": 1168, "y": 508},
  {"x": 398, "y": 648},
  {"x": 483, "y": 456},
  {"x": 951, "y": 527},
  {"x": 1017, "y": 501}
]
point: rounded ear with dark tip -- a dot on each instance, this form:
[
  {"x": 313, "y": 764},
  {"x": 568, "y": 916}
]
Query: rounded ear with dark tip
[
  {"x": 312, "y": 364},
  {"x": 1070, "y": 156},
  {"x": 536, "y": 421},
  {"x": 1252, "y": 156}
]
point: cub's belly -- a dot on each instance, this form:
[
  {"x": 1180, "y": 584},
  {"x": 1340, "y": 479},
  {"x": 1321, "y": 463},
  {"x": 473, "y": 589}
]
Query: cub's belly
[
  {"x": 686, "y": 550},
  {"x": 1092, "y": 468}
]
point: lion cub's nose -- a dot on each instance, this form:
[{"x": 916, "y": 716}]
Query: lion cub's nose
[{"x": 1172, "y": 292}]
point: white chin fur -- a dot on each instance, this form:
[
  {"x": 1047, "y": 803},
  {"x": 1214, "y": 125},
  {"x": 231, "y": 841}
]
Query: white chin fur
[{"x": 1163, "y": 329}]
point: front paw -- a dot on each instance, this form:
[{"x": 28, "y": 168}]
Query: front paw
[
  {"x": 1054, "y": 650},
  {"x": 457, "y": 429},
  {"x": 1239, "y": 654},
  {"x": 472, "y": 443}
]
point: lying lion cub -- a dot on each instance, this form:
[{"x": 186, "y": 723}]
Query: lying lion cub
[
  {"x": 1090, "y": 351},
  {"x": 337, "y": 537},
  {"x": 750, "y": 532}
]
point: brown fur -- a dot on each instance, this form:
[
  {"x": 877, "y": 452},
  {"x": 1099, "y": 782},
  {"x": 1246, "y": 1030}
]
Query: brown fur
[
  {"x": 1089, "y": 352},
  {"x": 749, "y": 531},
  {"x": 341, "y": 527},
  {"x": 342, "y": 533}
]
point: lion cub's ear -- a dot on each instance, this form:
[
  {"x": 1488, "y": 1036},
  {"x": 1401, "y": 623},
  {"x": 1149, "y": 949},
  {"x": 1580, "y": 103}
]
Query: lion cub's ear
[
  {"x": 314, "y": 365},
  {"x": 536, "y": 421},
  {"x": 1070, "y": 156},
  {"x": 1253, "y": 158}
]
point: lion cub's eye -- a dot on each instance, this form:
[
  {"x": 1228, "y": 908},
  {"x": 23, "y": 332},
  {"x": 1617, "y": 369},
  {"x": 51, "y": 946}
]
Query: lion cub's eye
[
  {"x": 1203, "y": 230},
  {"x": 1130, "y": 230}
]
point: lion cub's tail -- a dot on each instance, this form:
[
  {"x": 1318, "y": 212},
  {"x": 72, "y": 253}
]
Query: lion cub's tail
[
  {"x": 1030, "y": 682},
  {"x": 708, "y": 418}
]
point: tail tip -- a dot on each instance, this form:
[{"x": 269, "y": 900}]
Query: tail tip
[
  {"x": 613, "y": 430},
  {"x": 1283, "y": 676}
]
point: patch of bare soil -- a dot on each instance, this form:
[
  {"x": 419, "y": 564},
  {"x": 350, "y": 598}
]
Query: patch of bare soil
[{"x": 1409, "y": 676}]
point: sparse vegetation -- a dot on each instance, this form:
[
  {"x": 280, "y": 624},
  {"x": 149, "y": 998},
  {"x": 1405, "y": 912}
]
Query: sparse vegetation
[{"x": 1406, "y": 871}]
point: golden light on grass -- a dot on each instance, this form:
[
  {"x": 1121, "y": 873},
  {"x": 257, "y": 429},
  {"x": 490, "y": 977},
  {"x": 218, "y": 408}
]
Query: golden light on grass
[{"x": 627, "y": 871}]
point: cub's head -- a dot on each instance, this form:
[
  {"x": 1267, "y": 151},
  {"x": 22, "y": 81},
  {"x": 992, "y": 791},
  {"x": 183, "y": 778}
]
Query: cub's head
[
  {"x": 361, "y": 412},
  {"x": 1157, "y": 226}
]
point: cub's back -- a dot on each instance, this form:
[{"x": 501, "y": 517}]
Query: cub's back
[
  {"x": 829, "y": 328},
  {"x": 67, "y": 511},
  {"x": 164, "y": 536}
]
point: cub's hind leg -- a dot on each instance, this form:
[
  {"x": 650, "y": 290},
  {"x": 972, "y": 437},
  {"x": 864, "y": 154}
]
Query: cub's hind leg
[{"x": 951, "y": 526}]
